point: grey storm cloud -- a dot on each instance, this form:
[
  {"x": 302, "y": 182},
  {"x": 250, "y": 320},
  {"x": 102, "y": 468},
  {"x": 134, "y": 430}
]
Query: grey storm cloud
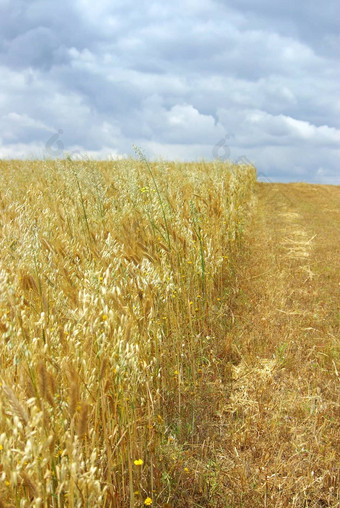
[{"x": 178, "y": 79}]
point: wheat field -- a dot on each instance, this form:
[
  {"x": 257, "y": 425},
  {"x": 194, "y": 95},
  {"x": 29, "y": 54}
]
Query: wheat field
[{"x": 116, "y": 288}]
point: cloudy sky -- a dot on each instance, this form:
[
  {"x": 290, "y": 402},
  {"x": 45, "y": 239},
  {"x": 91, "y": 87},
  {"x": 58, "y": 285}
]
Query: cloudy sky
[{"x": 183, "y": 80}]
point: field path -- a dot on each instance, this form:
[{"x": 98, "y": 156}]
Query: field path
[{"x": 282, "y": 420}]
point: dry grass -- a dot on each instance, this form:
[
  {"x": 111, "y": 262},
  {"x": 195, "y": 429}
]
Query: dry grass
[
  {"x": 282, "y": 446},
  {"x": 116, "y": 284}
]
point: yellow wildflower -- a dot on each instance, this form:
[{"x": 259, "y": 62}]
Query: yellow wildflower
[
  {"x": 138, "y": 462},
  {"x": 148, "y": 501}
]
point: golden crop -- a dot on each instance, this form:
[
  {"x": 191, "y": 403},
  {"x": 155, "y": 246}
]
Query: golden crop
[{"x": 115, "y": 286}]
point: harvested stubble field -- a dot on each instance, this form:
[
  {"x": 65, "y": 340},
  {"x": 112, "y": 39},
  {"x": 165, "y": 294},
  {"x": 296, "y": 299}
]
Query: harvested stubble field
[{"x": 169, "y": 337}]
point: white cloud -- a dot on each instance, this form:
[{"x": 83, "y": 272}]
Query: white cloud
[{"x": 174, "y": 78}]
